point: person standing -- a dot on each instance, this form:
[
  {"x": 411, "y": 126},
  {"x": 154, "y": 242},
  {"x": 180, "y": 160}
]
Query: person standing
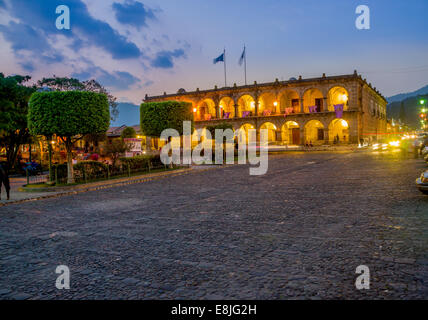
[{"x": 4, "y": 180}]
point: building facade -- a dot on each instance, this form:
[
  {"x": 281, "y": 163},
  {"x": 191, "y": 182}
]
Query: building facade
[{"x": 327, "y": 110}]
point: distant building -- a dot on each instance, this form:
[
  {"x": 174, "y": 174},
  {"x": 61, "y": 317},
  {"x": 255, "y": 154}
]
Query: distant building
[{"x": 325, "y": 110}]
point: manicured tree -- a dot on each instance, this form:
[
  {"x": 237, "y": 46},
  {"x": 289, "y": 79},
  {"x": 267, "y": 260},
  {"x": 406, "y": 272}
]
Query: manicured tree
[
  {"x": 129, "y": 132},
  {"x": 14, "y": 98},
  {"x": 158, "y": 116},
  {"x": 69, "y": 115},
  {"x": 72, "y": 84}
]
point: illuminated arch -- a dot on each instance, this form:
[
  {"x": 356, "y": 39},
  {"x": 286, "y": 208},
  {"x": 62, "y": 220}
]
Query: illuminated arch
[
  {"x": 338, "y": 95},
  {"x": 272, "y": 137},
  {"x": 313, "y": 97},
  {"x": 244, "y": 130},
  {"x": 290, "y": 133},
  {"x": 338, "y": 131},
  {"x": 204, "y": 110},
  {"x": 246, "y": 103},
  {"x": 289, "y": 99},
  {"x": 314, "y": 133},
  {"x": 227, "y": 105},
  {"x": 268, "y": 103}
]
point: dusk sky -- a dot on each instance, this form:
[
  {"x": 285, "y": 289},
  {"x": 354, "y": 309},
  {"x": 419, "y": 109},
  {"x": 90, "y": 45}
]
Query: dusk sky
[{"x": 138, "y": 47}]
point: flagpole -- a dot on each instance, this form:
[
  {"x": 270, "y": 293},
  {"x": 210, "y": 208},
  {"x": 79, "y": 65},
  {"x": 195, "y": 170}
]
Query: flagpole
[
  {"x": 245, "y": 63},
  {"x": 225, "y": 79}
]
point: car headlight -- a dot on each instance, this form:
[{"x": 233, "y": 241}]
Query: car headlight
[{"x": 394, "y": 143}]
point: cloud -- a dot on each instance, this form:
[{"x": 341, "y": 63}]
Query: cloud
[
  {"x": 28, "y": 66},
  {"x": 83, "y": 26},
  {"x": 2, "y": 4},
  {"x": 133, "y": 13},
  {"x": 25, "y": 38},
  {"x": 165, "y": 59},
  {"x": 118, "y": 80}
]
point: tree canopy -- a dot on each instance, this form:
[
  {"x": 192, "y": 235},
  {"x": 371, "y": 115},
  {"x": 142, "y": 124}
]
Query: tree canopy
[
  {"x": 14, "y": 98},
  {"x": 69, "y": 113},
  {"x": 129, "y": 132},
  {"x": 72, "y": 84},
  {"x": 158, "y": 116}
]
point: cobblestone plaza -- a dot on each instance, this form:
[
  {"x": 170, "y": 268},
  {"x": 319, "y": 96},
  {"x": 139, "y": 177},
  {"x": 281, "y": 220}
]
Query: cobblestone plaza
[{"x": 300, "y": 231}]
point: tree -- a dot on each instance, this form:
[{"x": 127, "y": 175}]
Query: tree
[
  {"x": 14, "y": 98},
  {"x": 116, "y": 149},
  {"x": 69, "y": 115},
  {"x": 158, "y": 116},
  {"x": 128, "y": 132},
  {"x": 72, "y": 84}
]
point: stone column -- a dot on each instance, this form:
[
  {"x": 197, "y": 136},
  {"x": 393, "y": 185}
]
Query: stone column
[
  {"x": 256, "y": 108},
  {"x": 324, "y": 105},
  {"x": 302, "y": 108},
  {"x": 236, "y": 110},
  {"x": 326, "y": 136},
  {"x": 217, "y": 111},
  {"x": 302, "y": 135}
]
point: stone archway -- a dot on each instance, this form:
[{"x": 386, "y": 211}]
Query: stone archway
[
  {"x": 338, "y": 131},
  {"x": 290, "y": 133},
  {"x": 338, "y": 95},
  {"x": 289, "y": 99},
  {"x": 205, "y": 110},
  {"x": 227, "y": 108},
  {"x": 246, "y": 106},
  {"x": 267, "y": 104},
  {"x": 314, "y": 133},
  {"x": 272, "y": 132},
  {"x": 313, "y": 97}
]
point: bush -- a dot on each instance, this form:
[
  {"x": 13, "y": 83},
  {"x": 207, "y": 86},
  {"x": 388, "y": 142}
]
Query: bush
[
  {"x": 90, "y": 170},
  {"x": 141, "y": 162}
]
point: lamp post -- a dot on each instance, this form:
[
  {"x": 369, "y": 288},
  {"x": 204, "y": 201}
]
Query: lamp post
[{"x": 423, "y": 114}]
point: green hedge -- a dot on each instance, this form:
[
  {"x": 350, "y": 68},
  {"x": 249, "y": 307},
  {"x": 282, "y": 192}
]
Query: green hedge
[
  {"x": 158, "y": 116},
  {"x": 140, "y": 162}
]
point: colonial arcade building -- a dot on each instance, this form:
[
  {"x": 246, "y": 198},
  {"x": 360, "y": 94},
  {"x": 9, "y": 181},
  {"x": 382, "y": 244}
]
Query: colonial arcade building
[{"x": 338, "y": 109}]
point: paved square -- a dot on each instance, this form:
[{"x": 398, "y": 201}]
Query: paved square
[{"x": 299, "y": 231}]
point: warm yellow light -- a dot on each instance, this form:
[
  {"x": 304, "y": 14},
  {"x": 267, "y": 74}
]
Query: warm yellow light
[
  {"x": 253, "y": 104},
  {"x": 194, "y": 110},
  {"x": 53, "y": 142},
  {"x": 275, "y": 103},
  {"x": 344, "y": 98},
  {"x": 344, "y": 124},
  {"x": 394, "y": 143}
]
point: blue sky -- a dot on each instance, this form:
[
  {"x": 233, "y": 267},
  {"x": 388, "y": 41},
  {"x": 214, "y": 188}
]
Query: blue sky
[{"x": 139, "y": 47}]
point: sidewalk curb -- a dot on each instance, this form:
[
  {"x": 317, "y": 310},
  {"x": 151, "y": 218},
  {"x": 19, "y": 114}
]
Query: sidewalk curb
[{"x": 135, "y": 180}]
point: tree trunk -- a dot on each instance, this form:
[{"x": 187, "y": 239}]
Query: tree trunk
[{"x": 70, "y": 172}]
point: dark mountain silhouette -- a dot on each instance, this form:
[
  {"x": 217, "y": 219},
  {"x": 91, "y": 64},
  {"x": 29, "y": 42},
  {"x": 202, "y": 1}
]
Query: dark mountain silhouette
[
  {"x": 404, "y": 96},
  {"x": 407, "y": 110}
]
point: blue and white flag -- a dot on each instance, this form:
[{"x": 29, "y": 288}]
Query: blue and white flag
[
  {"x": 241, "y": 60},
  {"x": 219, "y": 59}
]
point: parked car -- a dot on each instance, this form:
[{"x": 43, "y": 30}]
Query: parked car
[{"x": 422, "y": 182}]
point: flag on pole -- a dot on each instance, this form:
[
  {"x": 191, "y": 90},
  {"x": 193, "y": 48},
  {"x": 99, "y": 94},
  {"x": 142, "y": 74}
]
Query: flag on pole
[
  {"x": 219, "y": 59},
  {"x": 241, "y": 60}
]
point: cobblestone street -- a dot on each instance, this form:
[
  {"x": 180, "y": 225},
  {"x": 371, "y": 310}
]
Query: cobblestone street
[{"x": 299, "y": 231}]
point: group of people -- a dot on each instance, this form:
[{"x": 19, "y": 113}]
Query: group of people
[{"x": 4, "y": 180}]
